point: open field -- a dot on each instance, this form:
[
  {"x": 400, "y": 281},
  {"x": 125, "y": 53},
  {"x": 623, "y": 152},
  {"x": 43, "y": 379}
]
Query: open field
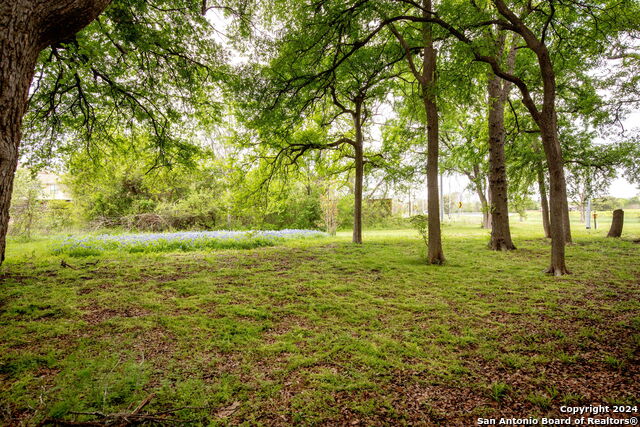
[{"x": 323, "y": 332}]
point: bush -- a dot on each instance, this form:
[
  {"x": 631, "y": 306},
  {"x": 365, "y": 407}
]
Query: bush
[
  {"x": 198, "y": 210},
  {"x": 58, "y": 215},
  {"x": 26, "y": 206},
  {"x": 421, "y": 224}
]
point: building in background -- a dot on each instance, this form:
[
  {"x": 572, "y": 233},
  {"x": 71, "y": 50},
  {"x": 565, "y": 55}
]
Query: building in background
[{"x": 52, "y": 187}]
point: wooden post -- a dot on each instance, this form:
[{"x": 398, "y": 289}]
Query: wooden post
[{"x": 616, "y": 223}]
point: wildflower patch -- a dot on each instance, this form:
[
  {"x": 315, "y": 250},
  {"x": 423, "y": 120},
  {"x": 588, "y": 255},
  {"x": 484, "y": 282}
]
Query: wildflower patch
[{"x": 179, "y": 241}]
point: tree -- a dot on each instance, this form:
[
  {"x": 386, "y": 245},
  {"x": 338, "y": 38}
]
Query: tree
[
  {"x": 26, "y": 28},
  {"x": 547, "y": 31},
  {"x": 142, "y": 62},
  {"x": 591, "y": 167},
  {"x": 427, "y": 79},
  {"x": 498, "y": 93},
  {"x": 302, "y": 82},
  {"x": 550, "y": 33},
  {"x": 358, "y": 82},
  {"x": 545, "y": 116},
  {"x": 464, "y": 141}
]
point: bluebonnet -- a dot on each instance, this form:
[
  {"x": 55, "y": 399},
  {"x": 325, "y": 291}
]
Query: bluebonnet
[{"x": 186, "y": 240}]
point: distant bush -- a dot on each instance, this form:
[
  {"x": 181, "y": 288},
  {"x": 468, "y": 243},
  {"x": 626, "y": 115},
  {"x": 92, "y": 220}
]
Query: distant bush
[
  {"x": 376, "y": 214},
  {"x": 26, "y": 206},
  {"x": 608, "y": 203},
  {"x": 198, "y": 210},
  {"x": 57, "y": 215}
]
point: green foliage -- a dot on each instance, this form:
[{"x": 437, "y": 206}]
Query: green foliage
[
  {"x": 329, "y": 209},
  {"x": 200, "y": 209},
  {"x": 144, "y": 67},
  {"x": 607, "y": 203},
  {"x": 498, "y": 391},
  {"x": 26, "y": 204},
  {"x": 58, "y": 216},
  {"x": 420, "y": 223},
  {"x": 297, "y": 207}
]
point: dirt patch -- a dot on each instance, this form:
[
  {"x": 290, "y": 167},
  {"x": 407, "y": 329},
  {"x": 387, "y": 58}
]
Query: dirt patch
[
  {"x": 284, "y": 325},
  {"x": 156, "y": 343},
  {"x": 95, "y": 314},
  {"x": 20, "y": 279}
]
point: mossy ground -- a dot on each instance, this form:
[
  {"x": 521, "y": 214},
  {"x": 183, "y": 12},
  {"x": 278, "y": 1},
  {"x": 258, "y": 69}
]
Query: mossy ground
[{"x": 322, "y": 331}]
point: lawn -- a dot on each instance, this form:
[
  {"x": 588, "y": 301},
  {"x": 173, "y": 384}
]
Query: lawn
[{"x": 319, "y": 331}]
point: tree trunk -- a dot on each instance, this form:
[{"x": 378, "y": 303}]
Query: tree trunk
[
  {"x": 500, "y": 230},
  {"x": 498, "y": 92},
  {"x": 616, "y": 223},
  {"x": 486, "y": 218},
  {"x": 27, "y": 27},
  {"x": 477, "y": 181},
  {"x": 435, "y": 254},
  {"x": 558, "y": 205},
  {"x": 359, "y": 163},
  {"x": 544, "y": 203},
  {"x": 486, "y": 215},
  {"x": 18, "y": 57},
  {"x": 566, "y": 222},
  {"x": 547, "y": 121},
  {"x": 427, "y": 79},
  {"x": 557, "y": 196}
]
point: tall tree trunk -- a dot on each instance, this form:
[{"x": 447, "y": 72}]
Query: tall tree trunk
[
  {"x": 435, "y": 254},
  {"x": 500, "y": 230},
  {"x": 359, "y": 163},
  {"x": 27, "y": 27},
  {"x": 547, "y": 121},
  {"x": 498, "y": 91},
  {"x": 427, "y": 79},
  {"x": 558, "y": 205},
  {"x": 18, "y": 56},
  {"x": 544, "y": 203},
  {"x": 557, "y": 194}
]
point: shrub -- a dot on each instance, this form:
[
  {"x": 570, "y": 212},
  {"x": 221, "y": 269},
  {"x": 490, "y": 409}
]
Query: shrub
[
  {"x": 58, "y": 215},
  {"x": 26, "y": 205},
  {"x": 421, "y": 224},
  {"x": 198, "y": 210}
]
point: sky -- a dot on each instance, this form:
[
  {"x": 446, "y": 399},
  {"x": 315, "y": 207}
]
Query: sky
[{"x": 621, "y": 187}]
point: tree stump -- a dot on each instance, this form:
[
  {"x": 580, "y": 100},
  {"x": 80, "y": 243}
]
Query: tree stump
[{"x": 616, "y": 224}]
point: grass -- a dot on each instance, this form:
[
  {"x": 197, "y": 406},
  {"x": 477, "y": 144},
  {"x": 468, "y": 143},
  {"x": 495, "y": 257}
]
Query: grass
[
  {"x": 83, "y": 246},
  {"x": 319, "y": 331}
]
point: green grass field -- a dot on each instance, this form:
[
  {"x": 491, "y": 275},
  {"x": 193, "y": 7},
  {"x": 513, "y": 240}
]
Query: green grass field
[{"x": 321, "y": 331}]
